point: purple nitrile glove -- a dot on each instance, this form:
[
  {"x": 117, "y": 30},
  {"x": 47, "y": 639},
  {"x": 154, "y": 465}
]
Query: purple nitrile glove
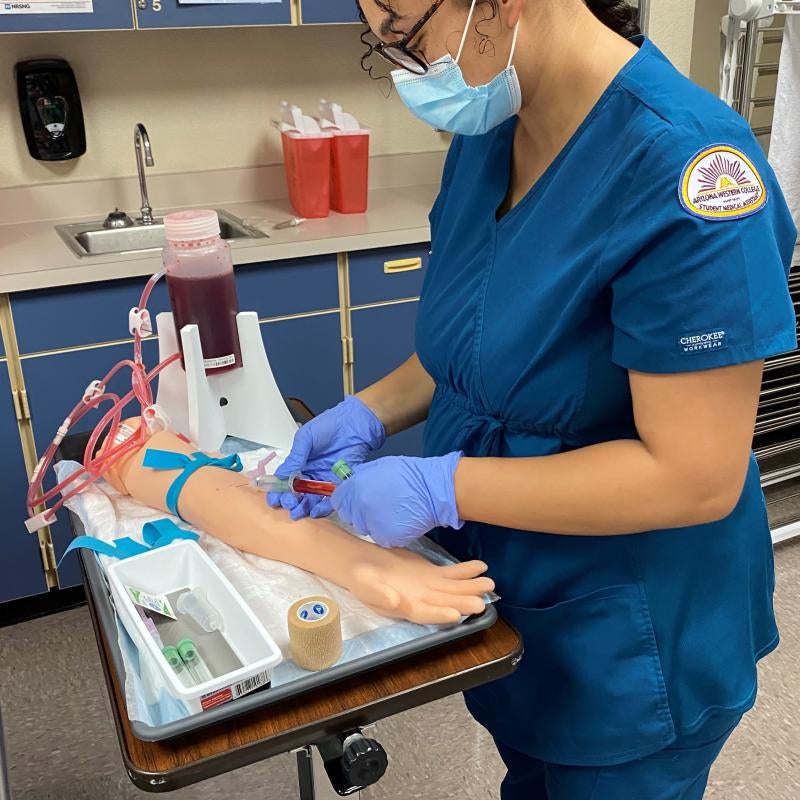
[
  {"x": 397, "y": 499},
  {"x": 349, "y": 431}
]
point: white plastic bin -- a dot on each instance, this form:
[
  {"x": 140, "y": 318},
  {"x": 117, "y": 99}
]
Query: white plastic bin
[{"x": 177, "y": 566}]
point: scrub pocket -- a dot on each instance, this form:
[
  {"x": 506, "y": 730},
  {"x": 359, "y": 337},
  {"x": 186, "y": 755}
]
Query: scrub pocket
[{"x": 589, "y": 690}]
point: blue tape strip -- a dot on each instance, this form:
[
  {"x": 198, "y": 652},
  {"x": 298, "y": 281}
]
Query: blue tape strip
[
  {"x": 163, "y": 532},
  {"x": 166, "y": 459},
  {"x": 129, "y": 547},
  {"x": 119, "y": 548},
  {"x": 155, "y": 534}
]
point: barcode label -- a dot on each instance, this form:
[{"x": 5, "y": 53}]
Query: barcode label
[
  {"x": 229, "y": 693},
  {"x": 124, "y": 432},
  {"x": 221, "y": 361},
  {"x": 250, "y": 685}
]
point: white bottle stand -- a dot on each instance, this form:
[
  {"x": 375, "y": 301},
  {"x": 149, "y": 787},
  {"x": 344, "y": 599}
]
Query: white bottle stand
[{"x": 243, "y": 402}]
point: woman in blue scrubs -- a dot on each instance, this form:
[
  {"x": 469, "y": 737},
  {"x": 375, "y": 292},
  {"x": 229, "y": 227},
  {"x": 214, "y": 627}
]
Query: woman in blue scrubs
[{"x": 608, "y": 273}]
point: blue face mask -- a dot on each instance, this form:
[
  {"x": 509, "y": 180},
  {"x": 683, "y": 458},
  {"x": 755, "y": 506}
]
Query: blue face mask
[{"x": 442, "y": 98}]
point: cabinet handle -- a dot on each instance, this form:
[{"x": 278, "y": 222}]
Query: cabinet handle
[
  {"x": 402, "y": 265},
  {"x": 347, "y": 350},
  {"x": 21, "y": 407},
  {"x": 23, "y": 398}
]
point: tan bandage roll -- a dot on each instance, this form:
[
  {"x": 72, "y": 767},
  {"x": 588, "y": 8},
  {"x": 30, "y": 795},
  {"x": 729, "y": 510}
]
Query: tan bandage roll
[{"x": 315, "y": 633}]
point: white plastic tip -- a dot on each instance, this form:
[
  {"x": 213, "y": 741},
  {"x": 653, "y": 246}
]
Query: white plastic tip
[
  {"x": 94, "y": 389},
  {"x": 40, "y": 521},
  {"x": 139, "y": 322},
  {"x": 155, "y": 419}
]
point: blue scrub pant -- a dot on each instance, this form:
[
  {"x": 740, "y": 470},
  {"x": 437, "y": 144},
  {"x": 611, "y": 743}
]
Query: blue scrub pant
[{"x": 679, "y": 772}]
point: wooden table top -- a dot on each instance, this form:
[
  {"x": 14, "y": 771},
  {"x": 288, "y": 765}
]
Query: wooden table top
[{"x": 311, "y": 717}]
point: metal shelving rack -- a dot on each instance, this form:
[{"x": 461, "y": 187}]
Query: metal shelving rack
[
  {"x": 753, "y": 35},
  {"x": 644, "y": 15}
]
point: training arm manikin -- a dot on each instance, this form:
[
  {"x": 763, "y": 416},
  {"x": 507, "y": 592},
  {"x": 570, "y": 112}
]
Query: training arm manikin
[{"x": 396, "y": 583}]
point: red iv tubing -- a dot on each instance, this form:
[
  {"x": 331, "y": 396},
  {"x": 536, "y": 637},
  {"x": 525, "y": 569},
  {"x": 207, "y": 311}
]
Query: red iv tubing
[{"x": 122, "y": 442}]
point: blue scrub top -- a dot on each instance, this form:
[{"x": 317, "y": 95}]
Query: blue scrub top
[{"x": 657, "y": 241}]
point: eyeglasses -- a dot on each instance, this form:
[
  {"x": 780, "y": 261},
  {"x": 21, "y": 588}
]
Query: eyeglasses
[{"x": 397, "y": 53}]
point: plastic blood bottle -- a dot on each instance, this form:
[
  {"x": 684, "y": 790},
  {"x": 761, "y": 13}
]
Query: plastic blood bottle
[{"x": 201, "y": 286}]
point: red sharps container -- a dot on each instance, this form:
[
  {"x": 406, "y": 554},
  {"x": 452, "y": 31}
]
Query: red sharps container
[
  {"x": 307, "y": 160},
  {"x": 350, "y": 158}
]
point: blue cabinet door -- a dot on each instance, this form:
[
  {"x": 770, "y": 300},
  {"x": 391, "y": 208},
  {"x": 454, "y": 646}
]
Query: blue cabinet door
[
  {"x": 106, "y": 15},
  {"x": 321, "y": 11},
  {"x": 172, "y": 14},
  {"x": 387, "y": 274},
  {"x": 306, "y": 359},
  {"x": 286, "y": 288},
  {"x": 21, "y": 570},
  {"x": 383, "y": 338},
  {"x": 72, "y": 316},
  {"x": 55, "y": 383}
]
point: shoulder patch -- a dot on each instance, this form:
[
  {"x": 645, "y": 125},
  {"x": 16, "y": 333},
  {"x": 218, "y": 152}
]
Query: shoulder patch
[{"x": 721, "y": 183}]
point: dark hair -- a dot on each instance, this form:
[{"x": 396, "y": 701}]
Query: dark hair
[
  {"x": 365, "y": 34},
  {"x": 618, "y": 15}
]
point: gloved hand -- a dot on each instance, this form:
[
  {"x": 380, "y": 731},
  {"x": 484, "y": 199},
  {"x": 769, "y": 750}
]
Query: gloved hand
[
  {"x": 348, "y": 431},
  {"x": 397, "y": 499}
]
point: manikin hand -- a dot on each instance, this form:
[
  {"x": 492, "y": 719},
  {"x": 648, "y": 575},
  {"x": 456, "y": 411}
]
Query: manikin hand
[{"x": 408, "y": 586}]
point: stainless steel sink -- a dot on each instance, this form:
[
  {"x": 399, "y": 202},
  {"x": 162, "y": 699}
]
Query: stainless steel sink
[{"x": 92, "y": 239}]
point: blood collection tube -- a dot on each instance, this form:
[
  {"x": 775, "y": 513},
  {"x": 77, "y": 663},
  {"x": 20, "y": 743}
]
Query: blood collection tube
[
  {"x": 301, "y": 485},
  {"x": 296, "y": 484},
  {"x": 179, "y": 668},
  {"x": 193, "y": 661}
]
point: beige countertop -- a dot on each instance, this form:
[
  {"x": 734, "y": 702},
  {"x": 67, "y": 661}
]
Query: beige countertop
[
  {"x": 403, "y": 188},
  {"x": 33, "y": 255}
]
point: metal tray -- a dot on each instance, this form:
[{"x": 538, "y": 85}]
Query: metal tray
[
  {"x": 72, "y": 448},
  {"x": 96, "y": 584}
]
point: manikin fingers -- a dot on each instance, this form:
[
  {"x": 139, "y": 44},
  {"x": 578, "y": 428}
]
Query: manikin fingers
[
  {"x": 465, "y": 605},
  {"x": 424, "y": 614},
  {"x": 464, "y": 570},
  {"x": 471, "y": 586}
]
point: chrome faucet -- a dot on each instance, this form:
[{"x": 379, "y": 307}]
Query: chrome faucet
[{"x": 144, "y": 156}]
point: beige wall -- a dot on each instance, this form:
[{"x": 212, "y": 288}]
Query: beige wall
[
  {"x": 206, "y": 97},
  {"x": 671, "y": 26},
  {"x": 706, "y": 47}
]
